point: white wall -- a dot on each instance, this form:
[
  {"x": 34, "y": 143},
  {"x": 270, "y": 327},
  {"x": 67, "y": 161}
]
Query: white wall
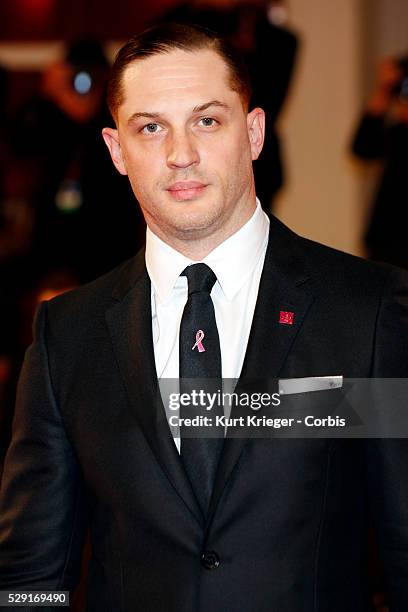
[{"x": 323, "y": 195}]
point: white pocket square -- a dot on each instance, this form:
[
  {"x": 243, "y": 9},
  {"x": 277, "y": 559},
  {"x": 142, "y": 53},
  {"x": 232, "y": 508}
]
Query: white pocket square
[{"x": 288, "y": 386}]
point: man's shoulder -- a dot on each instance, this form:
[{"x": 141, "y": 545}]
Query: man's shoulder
[
  {"x": 329, "y": 270},
  {"x": 94, "y": 298},
  {"x": 332, "y": 264}
]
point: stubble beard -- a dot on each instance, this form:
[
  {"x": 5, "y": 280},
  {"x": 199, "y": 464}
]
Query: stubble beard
[{"x": 191, "y": 220}]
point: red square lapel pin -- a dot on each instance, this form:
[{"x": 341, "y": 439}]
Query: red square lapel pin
[{"x": 286, "y": 317}]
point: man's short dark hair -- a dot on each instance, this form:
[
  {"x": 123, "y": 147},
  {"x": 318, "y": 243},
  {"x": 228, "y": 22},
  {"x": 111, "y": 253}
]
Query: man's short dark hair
[{"x": 167, "y": 37}]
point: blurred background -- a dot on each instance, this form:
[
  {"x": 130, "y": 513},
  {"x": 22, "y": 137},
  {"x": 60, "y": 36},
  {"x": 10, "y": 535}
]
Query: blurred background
[{"x": 332, "y": 77}]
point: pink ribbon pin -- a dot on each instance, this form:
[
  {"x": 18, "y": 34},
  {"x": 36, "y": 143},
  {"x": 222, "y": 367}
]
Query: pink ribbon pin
[{"x": 198, "y": 343}]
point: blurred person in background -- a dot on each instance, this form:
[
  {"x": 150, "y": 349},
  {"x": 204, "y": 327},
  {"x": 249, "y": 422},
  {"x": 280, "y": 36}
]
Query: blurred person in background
[
  {"x": 270, "y": 48},
  {"x": 66, "y": 216},
  {"x": 382, "y": 135},
  {"x": 258, "y": 30},
  {"x": 79, "y": 228}
]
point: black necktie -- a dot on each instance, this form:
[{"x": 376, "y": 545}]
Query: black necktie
[{"x": 200, "y": 358}]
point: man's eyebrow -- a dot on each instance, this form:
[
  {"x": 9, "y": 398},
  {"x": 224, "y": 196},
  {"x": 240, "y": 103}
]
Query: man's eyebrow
[
  {"x": 145, "y": 115},
  {"x": 196, "y": 109},
  {"x": 203, "y": 107}
]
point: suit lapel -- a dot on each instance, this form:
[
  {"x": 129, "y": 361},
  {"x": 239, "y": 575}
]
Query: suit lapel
[
  {"x": 130, "y": 325},
  {"x": 284, "y": 288}
]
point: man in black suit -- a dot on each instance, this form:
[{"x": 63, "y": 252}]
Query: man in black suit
[{"x": 269, "y": 524}]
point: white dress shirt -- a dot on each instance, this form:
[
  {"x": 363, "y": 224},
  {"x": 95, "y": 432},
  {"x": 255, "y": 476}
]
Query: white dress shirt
[{"x": 237, "y": 264}]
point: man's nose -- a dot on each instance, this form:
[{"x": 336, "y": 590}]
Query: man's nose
[{"x": 182, "y": 151}]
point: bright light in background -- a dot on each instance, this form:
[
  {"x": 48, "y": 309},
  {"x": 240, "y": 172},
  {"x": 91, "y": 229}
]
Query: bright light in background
[{"x": 82, "y": 82}]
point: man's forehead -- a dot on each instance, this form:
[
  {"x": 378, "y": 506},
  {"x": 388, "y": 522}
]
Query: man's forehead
[{"x": 176, "y": 72}]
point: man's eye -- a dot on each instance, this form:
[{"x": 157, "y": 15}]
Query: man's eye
[
  {"x": 151, "y": 128},
  {"x": 208, "y": 121}
]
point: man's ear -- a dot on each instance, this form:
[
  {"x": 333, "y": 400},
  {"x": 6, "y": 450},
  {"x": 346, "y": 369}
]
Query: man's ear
[
  {"x": 111, "y": 138},
  {"x": 256, "y": 131}
]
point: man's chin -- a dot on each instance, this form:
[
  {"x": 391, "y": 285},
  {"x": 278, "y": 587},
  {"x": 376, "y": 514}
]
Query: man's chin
[{"x": 194, "y": 222}]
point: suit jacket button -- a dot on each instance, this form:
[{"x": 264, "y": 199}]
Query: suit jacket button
[{"x": 210, "y": 560}]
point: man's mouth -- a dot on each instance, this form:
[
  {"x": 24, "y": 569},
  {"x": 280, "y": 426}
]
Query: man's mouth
[{"x": 186, "y": 190}]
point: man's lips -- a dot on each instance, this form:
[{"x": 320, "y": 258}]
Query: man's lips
[
  {"x": 186, "y": 190},
  {"x": 185, "y": 185}
]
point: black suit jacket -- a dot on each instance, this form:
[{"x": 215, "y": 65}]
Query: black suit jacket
[{"x": 288, "y": 518}]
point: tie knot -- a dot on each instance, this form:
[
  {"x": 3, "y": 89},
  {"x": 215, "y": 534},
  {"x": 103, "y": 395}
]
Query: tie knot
[{"x": 199, "y": 277}]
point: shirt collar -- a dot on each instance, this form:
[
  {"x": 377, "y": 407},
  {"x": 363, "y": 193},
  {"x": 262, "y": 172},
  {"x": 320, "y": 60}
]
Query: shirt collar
[{"x": 232, "y": 261}]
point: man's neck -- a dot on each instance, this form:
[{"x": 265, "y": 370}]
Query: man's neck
[{"x": 196, "y": 246}]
